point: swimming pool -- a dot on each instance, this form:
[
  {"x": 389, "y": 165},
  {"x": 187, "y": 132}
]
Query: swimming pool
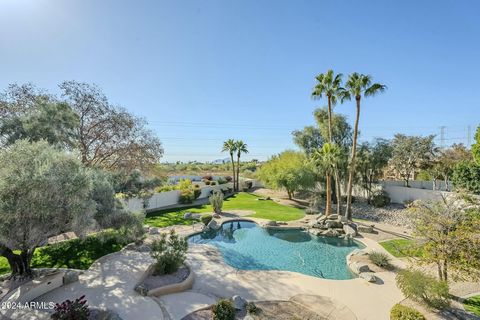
[{"x": 244, "y": 245}]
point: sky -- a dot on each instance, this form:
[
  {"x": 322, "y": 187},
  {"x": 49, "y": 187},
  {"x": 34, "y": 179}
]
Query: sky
[{"x": 201, "y": 72}]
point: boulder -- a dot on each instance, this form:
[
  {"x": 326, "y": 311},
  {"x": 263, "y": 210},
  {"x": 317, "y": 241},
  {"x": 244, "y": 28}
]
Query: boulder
[
  {"x": 349, "y": 230},
  {"x": 213, "y": 225},
  {"x": 330, "y": 233},
  {"x": 130, "y": 246},
  {"x": 370, "y": 277},
  {"x": 314, "y": 224},
  {"x": 216, "y": 216},
  {"x": 196, "y": 216},
  {"x": 146, "y": 228},
  {"x": 69, "y": 277},
  {"x": 366, "y": 229},
  {"x": 322, "y": 218},
  {"x": 271, "y": 223},
  {"x": 359, "y": 267},
  {"x": 153, "y": 231},
  {"x": 141, "y": 289},
  {"x": 143, "y": 248},
  {"x": 333, "y": 216},
  {"x": 333, "y": 224},
  {"x": 239, "y": 302}
]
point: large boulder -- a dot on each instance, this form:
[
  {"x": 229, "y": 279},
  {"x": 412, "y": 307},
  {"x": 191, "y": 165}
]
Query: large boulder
[
  {"x": 365, "y": 229},
  {"x": 359, "y": 267},
  {"x": 333, "y": 223},
  {"x": 369, "y": 276},
  {"x": 153, "y": 231},
  {"x": 330, "y": 233},
  {"x": 213, "y": 224},
  {"x": 322, "y": 218},
  {"x": 187, "y": 216},
  {"x": 350, "y": 230},
  {"x": 239, "y": 302}
]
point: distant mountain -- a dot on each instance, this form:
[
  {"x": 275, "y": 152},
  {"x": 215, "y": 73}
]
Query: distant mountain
[{"x": 220, "y": 161}]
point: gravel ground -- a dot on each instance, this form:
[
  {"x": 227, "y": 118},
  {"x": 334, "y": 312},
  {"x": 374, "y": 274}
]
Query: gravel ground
[{"x": 393, "y": 214}]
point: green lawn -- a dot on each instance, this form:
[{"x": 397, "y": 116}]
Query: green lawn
[
  {"x": 266, "y": 209},
  {"x": 401, "y": 248},
  {"x": 473, "y": 305},
  {"x": 76, "y": 253}
]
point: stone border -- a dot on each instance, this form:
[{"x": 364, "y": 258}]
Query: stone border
[{"x": 170, "y": 288}]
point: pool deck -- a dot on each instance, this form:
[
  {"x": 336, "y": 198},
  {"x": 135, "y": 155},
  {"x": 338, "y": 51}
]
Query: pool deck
[{"x": 109, "y": 284}]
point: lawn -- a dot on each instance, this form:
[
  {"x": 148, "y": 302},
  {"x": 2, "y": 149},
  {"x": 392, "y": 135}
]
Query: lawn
[
  {"x": 473, "y": 305},
  {"x": 401, "y": 248},
  {"x": 76, "y": 253},
  {"x": 265, "y": 209}
]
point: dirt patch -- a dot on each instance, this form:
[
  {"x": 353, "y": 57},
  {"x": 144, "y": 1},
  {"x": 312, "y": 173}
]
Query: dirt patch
[
  {"x": 152, "y": 282},
  {"x": 278, "y": 310}
]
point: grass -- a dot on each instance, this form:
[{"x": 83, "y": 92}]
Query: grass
[
  {"x": 76, "y": 253},
  {"x": 473, "y": 305},
  {"x": 265, "y": 209},
  {"x": 401, "y": 248}
]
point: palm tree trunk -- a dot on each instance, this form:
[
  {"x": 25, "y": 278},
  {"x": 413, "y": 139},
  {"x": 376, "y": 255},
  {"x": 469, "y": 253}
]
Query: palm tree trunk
[
  {"x": 328, "y": 203},
  {"x": 337, "y": 191},
  {"x": 329, "y": 119},
  {"x": 348, "y": 210},
  {"x": 233, "y": 169},
  {"x": 238, "y": 172}
]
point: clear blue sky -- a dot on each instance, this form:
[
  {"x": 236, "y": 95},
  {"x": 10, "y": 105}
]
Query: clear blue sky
[{"x": 202, "y": 71}]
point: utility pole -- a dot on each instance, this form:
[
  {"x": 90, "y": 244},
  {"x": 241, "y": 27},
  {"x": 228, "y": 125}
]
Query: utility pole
[{"x": 442, "y": 137}]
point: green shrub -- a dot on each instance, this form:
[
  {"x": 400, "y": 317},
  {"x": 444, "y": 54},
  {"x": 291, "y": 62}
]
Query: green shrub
[
  {"x": 206, "y": 219},
  {"x": 400, "y": 312},
  {"x": 380, "y": 199},
  {"x": 207, "y": 182},
  {"x": 216, "y": 200},
  {"x": 221, "y": 180},
  {"x": 197, "y": 192},
  {"x": 379, "y": 259},
  {"x": 424, "y": 288},
  {"x": 213, "y": 183},
  {"x": 68, "y": 310},
  {"x": 466, "y": 176},
  {"x": 186, "y": 196},
  {"x": 169, "y": 253},
  {"x": 223, "y": 310},
  {"x": 251, "y": 308},
  {"x": 166, "y": 188}
]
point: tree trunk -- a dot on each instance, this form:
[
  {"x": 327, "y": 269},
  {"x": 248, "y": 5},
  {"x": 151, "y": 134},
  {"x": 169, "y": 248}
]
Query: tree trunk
[
  {"x": 348, "y": 209},
  {"x": 238, "y": 172},
  {"x": 289, "y": 194},
  {"x": 447, "y": 188},
  {"x": 233, "y": 169},
  {"x": 338, "y": 191},
  {"x": 445, "y": 270},
  {"x": 19, "y": 263},
  {"x": 329, "y": 119},
  {"x": 328, "y": 201},
  {"x": 439, "y": 270}
]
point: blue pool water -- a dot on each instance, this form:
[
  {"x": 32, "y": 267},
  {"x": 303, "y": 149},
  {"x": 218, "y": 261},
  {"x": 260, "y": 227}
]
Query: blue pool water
[{"x": 244, "y": 245}]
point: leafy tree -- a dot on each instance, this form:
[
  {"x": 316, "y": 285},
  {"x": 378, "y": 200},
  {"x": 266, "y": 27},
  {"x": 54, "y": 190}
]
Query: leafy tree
[
  {"x": 109, "y": 136},
  {"x": 446, "y": 161},
  {"x": 371, "y": 161},
  {"x": 326, "y": 159},
  {"x": 309, "y": 139},
  {"x": 410, "y": 153},
  {"x": 43, "y": 192},
  {"x": 230, "y": 146},
  {"x": 288, "y": 170},
  {"x": 241, "y": 147},
  {"x": 466, "y": 177},
  {"x": 52, "y": 121},
  {"x": 476, "y": 147},
  {"x": 357, "y": 85},
  {"x": 447, "y": 232}
]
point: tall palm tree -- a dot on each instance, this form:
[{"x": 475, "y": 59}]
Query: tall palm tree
[
  {"x": 241, "y": 147},
  {"x": 329, "y": 84},
  {"x": 230, "y": 146},
  {"x": 326, "y": 158},
  {"x": 357, "y": 85}
]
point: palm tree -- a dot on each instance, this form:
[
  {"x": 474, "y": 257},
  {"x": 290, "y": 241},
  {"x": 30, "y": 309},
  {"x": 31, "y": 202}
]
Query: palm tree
[
  {"x": 326, "y": 158},
  {"x": 330, "y": 85},
  {"x": 230, "y": 146},
  {"x": 357, "y": 85},
  {"x": 241, "y": 147}
]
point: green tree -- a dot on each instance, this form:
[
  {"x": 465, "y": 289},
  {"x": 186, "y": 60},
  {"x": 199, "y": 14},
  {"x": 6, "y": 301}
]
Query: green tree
[
  {"x": 357, "y": 86},
  {"x": 476, "y": 147},
  {"x": 466, "y": 177},
  {"x": 372, "y": 158},
  {"x": 289, "y": 170},
  {"x": 309, "y": 139},
  {"x": 326, "y": 159},
  {"x": 43, "y": 192},
  {"x": 240, "y": 147},
  {"x": 230, "y": 146},
  {"x": 411, "y": 153},
  {"x": 447, "y": 233}
]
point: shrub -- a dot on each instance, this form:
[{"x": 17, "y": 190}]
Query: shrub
[
  {"x": 213, "y": 183},
  {"x": 206, "y": 219},
  {"x": 186, "y": 196},
  {"x": 379, "y": 259},
  {"x": 169, "y": 253},
  {"x": 223, "y": 310},
  {"x": 380, "y": 199},
  {"x": 207, "y": 182},
  {"x": 68, "y": 310},
  {"x": 197, "y": 192},
  {"x": 228, "y": 178},
  {"x": 251, "y": 308},
  {"x": 400, "y": 312},
  {"x": 221, "y": 180},
  {"x": 166, "y": 188},
  {"x": 216, "y": 200},
  {"x": 184, "y": 184},
  {"x": 423, "y": 288},
  {"x": 466, "y": 176},
  {"x": 208, "y": 177}
]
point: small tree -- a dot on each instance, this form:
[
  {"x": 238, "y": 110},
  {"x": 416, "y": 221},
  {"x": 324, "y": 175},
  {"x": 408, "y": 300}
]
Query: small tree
[
  {"x": 410, "y": 153},
  {"x": 216, "y": 200},
  {"x": 476, "y": 147},
  {"x": 169, "y": 252},
  {"x": 447, "y": 233}
]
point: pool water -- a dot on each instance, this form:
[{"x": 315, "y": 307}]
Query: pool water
[{"x": 244, "y": 245}]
